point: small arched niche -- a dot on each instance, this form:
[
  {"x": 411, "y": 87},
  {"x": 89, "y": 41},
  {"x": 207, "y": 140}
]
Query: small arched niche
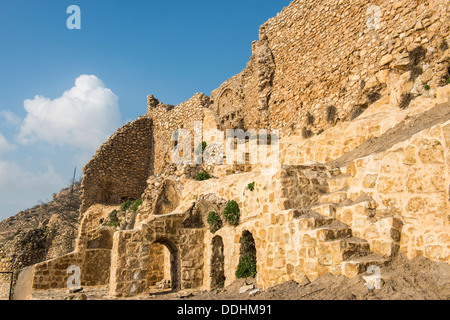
[{"x": 217, "y": 263}]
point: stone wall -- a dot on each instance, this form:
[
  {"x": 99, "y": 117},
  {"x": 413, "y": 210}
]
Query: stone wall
[
  {"x": 167, "y": 119},
  {"x": 268, "y": 215},
  {"x": 133, "y": 271},
  {"x": 340, "y": 140},
  {"x": 120, "y": 168},
  {"x": 410, "y": 181},
  {"x": 320, "y": 54},
  {"x": 94, "y": 264}
]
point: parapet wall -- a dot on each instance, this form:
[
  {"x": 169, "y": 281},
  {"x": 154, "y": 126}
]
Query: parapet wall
[{"x": 120, "y": 168}]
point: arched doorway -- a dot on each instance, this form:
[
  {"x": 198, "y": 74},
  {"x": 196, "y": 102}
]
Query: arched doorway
[
  {"x": 217, "y": 264},
  {"x": 164, "y": 270}
]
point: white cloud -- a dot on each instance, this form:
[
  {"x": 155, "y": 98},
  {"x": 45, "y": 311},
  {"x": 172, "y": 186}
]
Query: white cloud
[
  {"x": 10, "y": 117},
  {"x": 5, "y": 146},
  {"x": 82, "y": 117}
]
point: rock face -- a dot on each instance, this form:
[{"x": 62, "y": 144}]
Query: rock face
[
  {"x": 44, "y": 232},
  {"x": 359, "y": 171}
]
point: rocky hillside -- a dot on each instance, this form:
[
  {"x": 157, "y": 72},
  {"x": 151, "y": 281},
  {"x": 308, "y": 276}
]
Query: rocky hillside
[{"x": 43, "y": 232}]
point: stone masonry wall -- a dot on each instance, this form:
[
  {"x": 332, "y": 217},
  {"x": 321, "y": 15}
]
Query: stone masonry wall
[
  {"x": 120, "y": 168},
  {"x": 167, "y": 119},
  {"x": 320, "y": 54},
  {"x": 411, "y": 182},
  {"x": 94, "y": 265},
  {"x": 132, "y": 272}
]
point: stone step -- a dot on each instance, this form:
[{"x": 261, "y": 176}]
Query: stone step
[
  {"x": 354, "y": 266},
  {"x": 312, "y": 220},
  {"x": 337, "y": 251},
  {"x": 325, "y": 209},
  {"x": 381, "y": 230},
  {"x": 334, "y": 197},
  {"x": 355, "y": 246},
  {"x": 348, "y": 213},
  {"x": 334, "y": 171},
  {"x": 340, "y": 182},
  {"x": 334, "y": 231}
]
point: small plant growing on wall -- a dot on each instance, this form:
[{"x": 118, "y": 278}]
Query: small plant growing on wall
[
  {"x": 447, "y": 81},
  {"x": 232, "y": 213},
  {"x": 136, "y": 204},
  {"x": 214, "y": 221},
  {"x": 427, "y": 87},
  {"x": 113, "y": 220},
  {"x": 251, "y": 186},
  {"x": 247, "y": 262},
  {"x": 126, "y": 205},
  {"x": 202, "y": 176}
]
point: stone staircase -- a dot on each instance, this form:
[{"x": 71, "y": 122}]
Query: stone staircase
[{"x": 340, "y": 229}]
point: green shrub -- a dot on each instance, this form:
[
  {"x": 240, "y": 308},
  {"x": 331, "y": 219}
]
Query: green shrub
[
  {"x": 125, "y": 206},
  {"x": 214, "y": 221},
  {"x": 232, "y": 213},
  {"x": 251, "y": 186},
  {"x": 113, "y": 220},
  {"x": 447, "y": 81},
  {"x": 427, "y": 87},
  {"x": 202, "y": 176},
  {"x": 247, "y": 262},
  {"x": 247, "y": 267},
  {"x": 136, "y": 205}
]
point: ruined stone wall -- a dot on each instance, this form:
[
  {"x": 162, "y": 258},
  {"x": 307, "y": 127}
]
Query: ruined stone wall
[
  {"x": 320, "y": 54},
  {"x": 120, "y": 168},
  {"x": 94, "y": 265},
  {"x": 267, "y": 214},
  {"x": 340, "y": 140},
  {"x": 131, "y": 271},
  {"x": 411, "y": 182},
  {"x": 92, "y": 235},
  {"x": 167, "y": 119}
]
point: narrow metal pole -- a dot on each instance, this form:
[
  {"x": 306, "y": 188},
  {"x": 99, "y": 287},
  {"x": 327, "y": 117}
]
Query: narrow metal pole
[{"x": 11, "y": 286}]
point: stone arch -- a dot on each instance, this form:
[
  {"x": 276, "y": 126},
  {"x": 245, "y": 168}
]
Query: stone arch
[
  {"x": 169, "y": 198},
  {"x": 217, "y": 263},
  {"x": 164, "y": 264}
]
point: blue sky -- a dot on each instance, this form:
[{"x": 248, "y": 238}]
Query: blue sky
[{"x": 63, "y": 92}]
